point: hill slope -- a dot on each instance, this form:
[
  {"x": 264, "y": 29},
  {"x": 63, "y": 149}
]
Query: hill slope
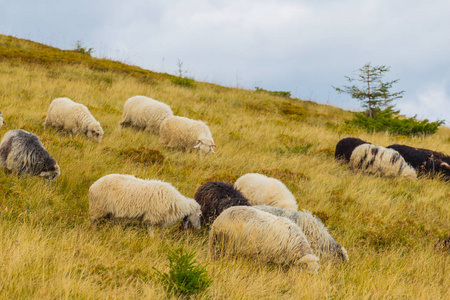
[{"x": 48, "y": 250}]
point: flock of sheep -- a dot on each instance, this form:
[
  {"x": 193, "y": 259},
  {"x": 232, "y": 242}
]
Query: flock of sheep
[
  {"x": 395, "y": 160},
  {"x": 257, "y": 216}
]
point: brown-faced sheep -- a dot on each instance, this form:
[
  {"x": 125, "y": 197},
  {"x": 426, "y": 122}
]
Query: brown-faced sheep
[
  {"x": 381, "y": 161},
  {"x": 144, "y": 113},
  {"x": 322, "y": 243},
  {"x": 262, "y": 190},
  {"x": 345, "y": 147},
  {"x": 66, "y": 114},
  {"x": 186, "y": 134},
  {"x": 216, "y": 196},
  {"x": 22, "y": 152},
  {"x": 247, "y": 231},
  {"x": 152, "y": 202}
]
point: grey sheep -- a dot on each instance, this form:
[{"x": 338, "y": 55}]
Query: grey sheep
[
  {"x": 22, "y": 152},
  {"x": 322, "y": 243}
]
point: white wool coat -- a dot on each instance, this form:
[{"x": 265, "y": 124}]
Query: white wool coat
[
  {"x": 247, "y": 231},
  {"x": 145, "y": 113},
  {"x": 262, "y": 190},
  {"x": 322, "y": 243},
  {"x": 66, "y": 114},
  {"x": 381, "y": 161},
  {"x": 186, "y": 134},
  {"x": 153, "y": 202}
]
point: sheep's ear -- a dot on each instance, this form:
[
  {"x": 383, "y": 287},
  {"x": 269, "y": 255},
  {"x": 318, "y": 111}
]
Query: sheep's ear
[
  {"x": 212, "y": 149},
  {"x": 198, "y": 145},
  {"x": 185, "y": 223}
]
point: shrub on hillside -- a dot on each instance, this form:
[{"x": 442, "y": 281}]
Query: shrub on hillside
[
  {"x": 185, "y": 276},
  {"x": 183, "y": 81},
  {"x": 79, "y": 48},
  {"x": 274, "y": 93},
  {"x": 386, "y": 120}
]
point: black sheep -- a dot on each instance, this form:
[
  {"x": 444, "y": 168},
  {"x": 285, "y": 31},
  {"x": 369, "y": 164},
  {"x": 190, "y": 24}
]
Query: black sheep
[
  {"x": 216, "y": 196},
  {"x": 423, "y": 160},
  {"x": 435, "y": 154},
  {"x": 345, "y": 147}
]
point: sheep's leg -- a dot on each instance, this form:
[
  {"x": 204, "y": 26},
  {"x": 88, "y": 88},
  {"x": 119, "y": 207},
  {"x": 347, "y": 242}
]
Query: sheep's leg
[
  {"x": 151, "y": 231},
  {"x": 214, "y": 250}
]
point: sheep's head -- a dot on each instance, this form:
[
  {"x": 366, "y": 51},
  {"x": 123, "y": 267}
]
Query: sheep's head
[
  {"x": 409, "y": 173},
  {"x": 193, "y": 219},
  {"x": 445, "y": 169},
  {"x": 50, "y": 171},
  {"x": 2, "y": 122},
  {"x": 312, "y": 263},
  {"x": 205, "y": 146},
  {"x": 341, "y": 253},
  {"x": 95, "y": 131}
]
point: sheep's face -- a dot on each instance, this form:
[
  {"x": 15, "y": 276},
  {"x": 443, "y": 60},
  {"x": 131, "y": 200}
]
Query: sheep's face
[
  {"x": 2, "y": 122},
  {"x": 205, "y": 146},
  {"x": 445, "y": 169},
  {"x": 410, "y": 174},
  {"x": 193, "y": 219},
  {"x": 95, "y": 132},
  {"x": 50, "y": 173}
]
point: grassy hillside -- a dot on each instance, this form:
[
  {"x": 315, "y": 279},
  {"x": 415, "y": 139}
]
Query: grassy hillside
[{"x": 49, "y": 250}]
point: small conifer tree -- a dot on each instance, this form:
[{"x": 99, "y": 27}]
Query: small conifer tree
[{"x": 374, "y": 94}]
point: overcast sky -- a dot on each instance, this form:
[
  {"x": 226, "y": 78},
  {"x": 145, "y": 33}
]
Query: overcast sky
[{"x": 302, "y": 46}]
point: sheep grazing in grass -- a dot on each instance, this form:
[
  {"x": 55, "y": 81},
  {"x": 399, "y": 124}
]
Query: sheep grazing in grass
[
  {"x": 186, "y": 134},
  {"x": 322, "y": 243},
  {"x": 2, "y": 122},
  {"x": 216, "y": 196},
  {"x": 151, "y": 202},
  {"x": 22, "y": 152},
  {"x": 66, "y": 114},
  {"x": 381, "y": 161},
  {"x": 262, "y": 190},
  {"x": 145, "y": 113},
  {"x": 345, "y": 147},
  {"x": 247, "y": 231},
  {"x": 424, "y": 161}
]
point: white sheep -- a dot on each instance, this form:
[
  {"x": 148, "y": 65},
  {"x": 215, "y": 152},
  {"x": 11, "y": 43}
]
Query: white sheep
[
  {"x": 260, "y": 189},
  {"x": 66, "y": 114},
  {"x": 247, "y": 231},
  {"x": 382, "y": 161},
  {"x": 152, "y": 202},
  {"x": 2, "y": 122},
  {"x": 186, "y": 134},
  {"x": 322, "y": 243},
  {"x": 144, "y": 113}
]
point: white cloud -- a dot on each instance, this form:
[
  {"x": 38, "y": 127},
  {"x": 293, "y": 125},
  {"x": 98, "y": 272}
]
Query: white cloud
[{"x": 432, "y": 103}]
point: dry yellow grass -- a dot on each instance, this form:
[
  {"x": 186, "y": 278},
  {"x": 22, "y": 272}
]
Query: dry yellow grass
[{"x": 48, "y": 250}]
